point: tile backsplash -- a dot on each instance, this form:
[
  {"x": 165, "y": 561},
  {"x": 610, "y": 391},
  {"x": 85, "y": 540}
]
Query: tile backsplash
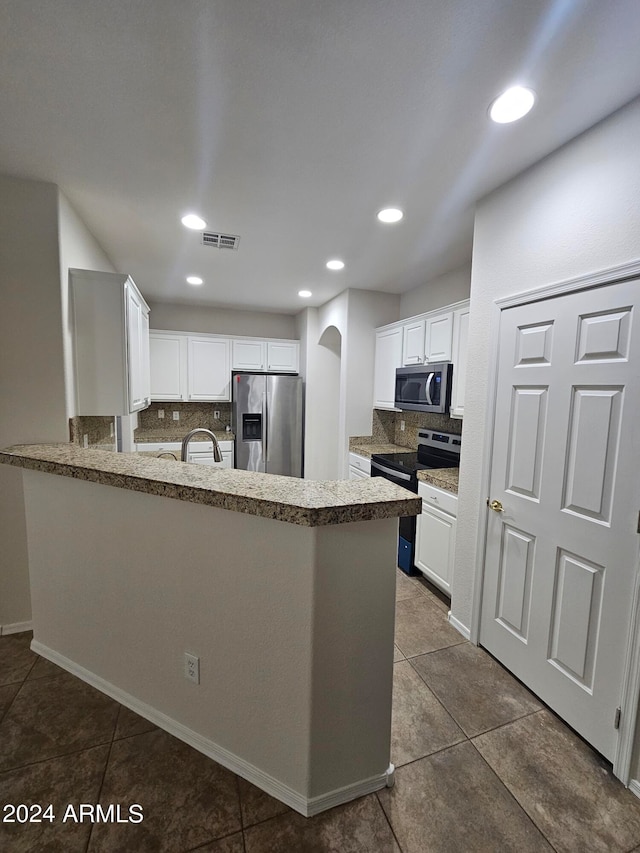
[
  {"x": 192, "y": 415},
  {"x": 386, "y": 426}
]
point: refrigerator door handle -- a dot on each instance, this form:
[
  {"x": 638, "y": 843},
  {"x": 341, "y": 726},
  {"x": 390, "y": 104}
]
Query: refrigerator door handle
[{"x": 265, "y": 428}]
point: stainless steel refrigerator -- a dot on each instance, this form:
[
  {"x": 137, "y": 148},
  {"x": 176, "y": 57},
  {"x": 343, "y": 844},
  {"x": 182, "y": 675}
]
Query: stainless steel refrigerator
[{"x": 267, "y": 422}]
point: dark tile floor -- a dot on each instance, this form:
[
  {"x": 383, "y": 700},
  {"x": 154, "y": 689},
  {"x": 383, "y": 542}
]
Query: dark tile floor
[{"x": 482, "y": 766}]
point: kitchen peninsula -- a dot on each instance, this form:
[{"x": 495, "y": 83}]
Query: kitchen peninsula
[{"x": 283, "y": 589}]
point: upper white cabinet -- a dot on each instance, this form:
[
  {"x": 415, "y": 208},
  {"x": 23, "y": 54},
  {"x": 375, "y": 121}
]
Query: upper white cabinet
[
  {"x": 459, "y": 358},
  {"x": 261, "y": 356},
  {"x": 427, "y": 338},
  {"x": 388, "y": 357},
  {"x": 248, "y": 355},
  {"x": 413, "y": 345},
  {"x": 191, "y": 367},
  {"x": 283, "y": 356},
  {"x": 110, "y": 322},
  {"x": 434, "y": 337},
  {"x": 168, "y": 353},
  {"x": 208, "y": 369},
  {"x": 439, "y": 334}
]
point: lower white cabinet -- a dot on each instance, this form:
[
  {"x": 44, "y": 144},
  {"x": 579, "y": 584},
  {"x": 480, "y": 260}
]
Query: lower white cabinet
[
  {"x": 359, "y": 467},
  {"x": 436, "y": 535},
  {"x": 200, "y": 452}
]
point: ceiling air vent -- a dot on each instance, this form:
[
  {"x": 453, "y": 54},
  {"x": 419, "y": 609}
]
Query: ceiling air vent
[{"x": 220, "y": 241}]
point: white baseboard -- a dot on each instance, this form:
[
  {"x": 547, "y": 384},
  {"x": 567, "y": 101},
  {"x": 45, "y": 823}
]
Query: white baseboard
[
  {"x": 462, "y": 629},
  {"x": 634, "y": 787},
  {"x": 16, "y": 628},
  {"x": 304, "y": 805}
]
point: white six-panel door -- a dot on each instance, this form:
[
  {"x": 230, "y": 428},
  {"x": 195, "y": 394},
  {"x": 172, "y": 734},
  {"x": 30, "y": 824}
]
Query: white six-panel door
[{"x": 562, "y": 554}]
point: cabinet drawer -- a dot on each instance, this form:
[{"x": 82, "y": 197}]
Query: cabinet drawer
[
  {"x": 360, "y": 462},
  {"x": 435, "y": 497}
]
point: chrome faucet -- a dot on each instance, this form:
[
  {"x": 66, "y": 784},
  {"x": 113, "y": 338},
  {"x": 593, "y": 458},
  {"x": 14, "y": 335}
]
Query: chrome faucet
[{"x": 217, "y": 455}]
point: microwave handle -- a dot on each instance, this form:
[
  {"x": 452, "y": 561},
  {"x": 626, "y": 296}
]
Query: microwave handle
[{"x": 427, "y": 388}]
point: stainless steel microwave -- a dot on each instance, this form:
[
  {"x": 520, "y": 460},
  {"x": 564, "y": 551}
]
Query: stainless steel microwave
[{"x": 424, "y": 387}]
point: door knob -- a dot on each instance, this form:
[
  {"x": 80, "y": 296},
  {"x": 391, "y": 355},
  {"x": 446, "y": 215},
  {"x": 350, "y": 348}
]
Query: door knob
[{"x": 496, "y": 506}]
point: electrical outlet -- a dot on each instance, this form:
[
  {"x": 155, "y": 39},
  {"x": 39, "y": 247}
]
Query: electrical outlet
[
  {"x": 401, "y": 426},
  {"x": 176, "y": 416},
  {"x": 161, "y": 414},
  {"x": 85, "y": 440},
  {"x": 192, "y": 668},
  {"x": 216, "y": 415}
]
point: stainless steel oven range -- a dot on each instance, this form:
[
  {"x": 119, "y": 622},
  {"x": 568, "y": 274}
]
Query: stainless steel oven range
[{"x": 435, "y": 450}]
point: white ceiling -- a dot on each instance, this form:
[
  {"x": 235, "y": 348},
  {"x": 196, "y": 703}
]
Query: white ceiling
[{"x": 291, "y": 123}]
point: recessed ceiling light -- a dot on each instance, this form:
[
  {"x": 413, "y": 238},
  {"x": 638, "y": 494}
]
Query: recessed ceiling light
[
  {"x": 512, "y": 104},
  {"x": 194, "y": 279},
  {"x": 305, "y": 293},
  {"x": 335, "y": 265},
  {"x": 192, "y": 220},
  {"x": 390, "y": 214}
]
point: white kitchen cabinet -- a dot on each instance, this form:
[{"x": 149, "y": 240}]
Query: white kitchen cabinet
[
  {"x": 428, "y": 339},
  {"x": 413, "y": 343},
  {"x": 436, "y": 535},
  {"x": 459, "y": 358},
  {"x": 388, "y": 357},
  {"x": 439, "y": 335},
  {"x": 201, "y": 452},
  {"x": 283, "y": 356},
  {"x": 208, "y": 368},
  {"x": 168, "y": 356},
  {"x": 248, "y": 355},
  {"x": 110, "y": 322},
  {"x": 359, "y": 467},
  {"x": 262, "y": 356}
]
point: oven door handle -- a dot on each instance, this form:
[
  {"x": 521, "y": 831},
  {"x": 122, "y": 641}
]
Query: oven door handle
[
  {"x": 399, "y": 474},
  {"x": 427, "y": 388}
]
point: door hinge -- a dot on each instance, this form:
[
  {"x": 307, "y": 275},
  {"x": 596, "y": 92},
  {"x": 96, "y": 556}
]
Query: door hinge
[{"x": 616, "y": 719}]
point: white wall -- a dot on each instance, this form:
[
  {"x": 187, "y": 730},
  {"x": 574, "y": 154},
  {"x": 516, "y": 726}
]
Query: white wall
[
  {"x": 32, "y": 388},
  {"x": 354, "y": 314},
  {"x": 220, "y": 321},
  {"x": 320, "y": 366},
  {"x": 40, "y": 236},
  {"x": 367, "y": 309},
  {"x": 452, "y": 287},
  {"x": 575, "y": 212},
  {"x": 80, "y": 250}
]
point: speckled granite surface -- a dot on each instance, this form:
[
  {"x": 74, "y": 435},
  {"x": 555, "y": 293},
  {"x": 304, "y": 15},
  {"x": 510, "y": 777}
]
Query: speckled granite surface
[
  {"x": 306, "y": 502},
  {"x": 443, "y": 478},
  {"x": 365, "y": 445}
]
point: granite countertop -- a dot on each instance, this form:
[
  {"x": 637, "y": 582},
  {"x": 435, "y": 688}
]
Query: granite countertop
[
  {"x": 175, "y": 437},
  {"x": 306, "y": 502},
  {"x": 442, "y": 478},
  {"x": 369, "y": 449}
]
